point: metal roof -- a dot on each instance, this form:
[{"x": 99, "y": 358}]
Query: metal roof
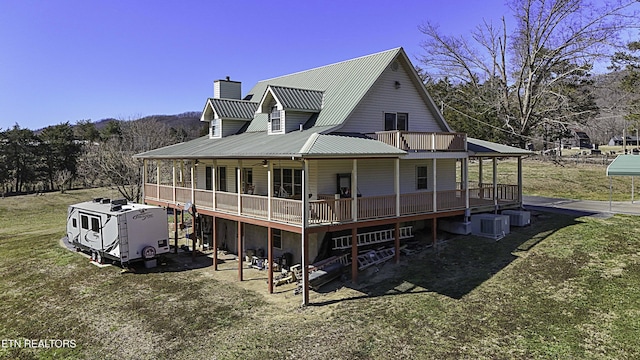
[
  {"x": 298, "y": 99},
  {"x": 344, "y": 84},
  {"x": 477, "y": 147},
  {"x": 624, "y": 165},
  {"x": 261, "y": 145},
  {"x": 233, "y": 109}
]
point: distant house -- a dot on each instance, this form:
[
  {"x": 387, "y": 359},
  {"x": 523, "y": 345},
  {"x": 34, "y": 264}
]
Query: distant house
[
  {"x": 356, "y": 147},
  {"x": 619, "y": 141},
  {"x": 579, "y": 139}
]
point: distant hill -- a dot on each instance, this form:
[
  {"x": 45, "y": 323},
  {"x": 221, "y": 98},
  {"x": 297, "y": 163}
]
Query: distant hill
[{"x": 189, "y": 119}]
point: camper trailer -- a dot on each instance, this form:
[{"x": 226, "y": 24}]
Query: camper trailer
[{"x": 118, "y": 230}]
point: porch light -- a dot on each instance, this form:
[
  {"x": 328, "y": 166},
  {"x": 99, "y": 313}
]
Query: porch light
[{"x": 397, "y": 85}]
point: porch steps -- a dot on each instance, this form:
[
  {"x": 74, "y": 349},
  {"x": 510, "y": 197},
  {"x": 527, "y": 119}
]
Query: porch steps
[
  {"x": 374, "y": 237},
  {"x": 373, "y": 257}
]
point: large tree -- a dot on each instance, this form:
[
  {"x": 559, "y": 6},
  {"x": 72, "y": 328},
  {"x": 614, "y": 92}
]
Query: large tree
[
  {"x": 531, "y": 76},
  {"x": 114, "y": 156},
  {"x": 60, "y": 152}
]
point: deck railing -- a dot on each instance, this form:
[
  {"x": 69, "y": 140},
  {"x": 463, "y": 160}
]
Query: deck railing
[
  {"x": 328, "y": 209},
  {"x": 422, "y": 141}
]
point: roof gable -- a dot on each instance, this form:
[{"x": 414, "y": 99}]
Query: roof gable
[
  {"x": 297, "y": 99},
  {"x": 230, "y": 109}
]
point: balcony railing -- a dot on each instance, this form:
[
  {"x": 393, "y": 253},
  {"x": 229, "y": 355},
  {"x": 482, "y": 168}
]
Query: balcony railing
[
  {"x": 328, "y": 209},
  {"x": 422, "y": 141}
]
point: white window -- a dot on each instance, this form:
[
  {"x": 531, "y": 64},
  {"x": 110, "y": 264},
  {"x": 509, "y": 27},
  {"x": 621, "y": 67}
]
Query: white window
[
  {"x": 215, "y": 131},
  {"x": 396, "y": 121},
  {"x": 287, "y": 182},
  {"x": 275, "y": 121}
]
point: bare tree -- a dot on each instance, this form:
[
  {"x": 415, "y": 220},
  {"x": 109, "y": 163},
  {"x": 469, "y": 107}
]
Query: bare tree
[
  {"x": 115, "y": 161},
  {"x": 534, "y": 71}
]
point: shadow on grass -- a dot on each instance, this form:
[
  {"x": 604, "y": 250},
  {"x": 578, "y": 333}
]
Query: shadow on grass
[{"x": 457, "y": 266}]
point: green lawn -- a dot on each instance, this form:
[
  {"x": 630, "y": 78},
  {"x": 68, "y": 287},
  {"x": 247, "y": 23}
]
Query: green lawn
[
  {"x": 562, "y": 288},
  {"x": 566, "y": 179}
]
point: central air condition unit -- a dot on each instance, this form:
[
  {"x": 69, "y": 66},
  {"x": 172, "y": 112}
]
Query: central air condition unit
[
  {"x": 518, "y": 217},
  {"x": 490, "y": 225}
]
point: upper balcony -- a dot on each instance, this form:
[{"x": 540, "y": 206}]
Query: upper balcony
[{"x": 422, "y": 141}]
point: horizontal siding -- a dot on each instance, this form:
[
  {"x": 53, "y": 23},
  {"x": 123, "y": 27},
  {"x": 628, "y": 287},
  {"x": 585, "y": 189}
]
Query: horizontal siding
[
  {"x": 368, "y": 116},
  {"x": 445, "y": 177},
  {"x": 294, "y": 119}
]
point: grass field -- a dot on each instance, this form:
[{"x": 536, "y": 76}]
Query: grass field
[
  {"x": 562, "y": 288},
  {"x": 566, "y": 179}
]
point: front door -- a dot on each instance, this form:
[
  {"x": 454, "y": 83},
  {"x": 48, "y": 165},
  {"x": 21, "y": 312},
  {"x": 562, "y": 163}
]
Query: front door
[{"x": 90, "y": 231}]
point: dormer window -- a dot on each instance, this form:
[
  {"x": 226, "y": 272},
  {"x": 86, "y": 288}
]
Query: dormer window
[
  {"x": 275, "y": 120},
  {"x": 215, "y": 129}
]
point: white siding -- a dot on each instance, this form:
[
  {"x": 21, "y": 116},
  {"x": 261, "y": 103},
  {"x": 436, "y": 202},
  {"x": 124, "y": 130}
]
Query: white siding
[
  {"x": 445, "y": 177},
  {"x": 368, "y": 116}
]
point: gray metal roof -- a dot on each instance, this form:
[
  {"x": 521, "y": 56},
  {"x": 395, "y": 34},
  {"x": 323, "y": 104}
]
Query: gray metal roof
[
  {"x": 261, "y": 145},
  {"x": 233, "y": 109},
  {"x": 624, "y": 165},
  {"x": 298, "y": 99},
  {"x": 477, "y": 147}
]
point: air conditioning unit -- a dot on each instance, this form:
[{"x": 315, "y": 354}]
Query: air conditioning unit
[
  {"x": 490, "y": 225},
  {"x": 518, "y": 217}
]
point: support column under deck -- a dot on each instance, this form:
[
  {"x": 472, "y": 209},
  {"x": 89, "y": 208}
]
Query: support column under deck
[
  {"x": 397, "y": 243},
  {"x": 214, "y": 236},
  {"x": 270, "y": 259},
  {"x": 354, "y": 255},
  {"x": 239, "y": 250}
]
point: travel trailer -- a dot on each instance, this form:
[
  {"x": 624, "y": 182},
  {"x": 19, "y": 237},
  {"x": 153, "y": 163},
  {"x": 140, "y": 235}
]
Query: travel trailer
[{"x": 118, "y": 230}]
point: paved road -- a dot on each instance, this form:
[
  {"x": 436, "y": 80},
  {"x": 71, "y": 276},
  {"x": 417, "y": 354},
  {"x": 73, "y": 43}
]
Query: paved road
[{"x": 584, "y": 207}]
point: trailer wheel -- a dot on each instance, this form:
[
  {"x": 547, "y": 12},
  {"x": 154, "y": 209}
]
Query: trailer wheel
[
  {"x": 98, "y": 258},
  {"x": 149, "y": 252},
  {"x": 93, "y": 256}
]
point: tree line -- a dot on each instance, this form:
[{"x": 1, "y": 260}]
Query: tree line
[{"x": 63, "y": 156}]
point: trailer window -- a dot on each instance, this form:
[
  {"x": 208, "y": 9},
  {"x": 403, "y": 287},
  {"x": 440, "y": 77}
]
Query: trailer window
[
  {"x": 95, "y": 224},
  {"x": 85, "y": 222},
  {"x": 74, "y": 223}
]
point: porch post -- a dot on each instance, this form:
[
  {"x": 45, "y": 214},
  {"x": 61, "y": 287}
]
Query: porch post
[
  {"x": 305, "y": 235},
  {"x": 270, "y": 259},
  {"x": 173, "y": 183},
  {"x": 269, "y": 189},
  {"x": 214, "y": 170},
  {"x": 435, "y": 187},
  {"x": 520, "y": 180},
  {"x": 495, "y": 184},
  {"x": 193, "y": 177},
  {"x": 144, "y": 177},
  {"x": 396, "y": 184},
  {"x": 239, "y": 185},
  {"x": 397, "y": 243},
  {"x": 465, "y": 182},
  {"x": 354, "y": 190},
  {"x": 354, "y": 255},
  {"x": 158, "y": 179},
  {"x": 214, "y": 235},
  {"x": 175, "y": 230},
  {"x": 481, "y": 192},
  {"x": 239, "y": 250}
]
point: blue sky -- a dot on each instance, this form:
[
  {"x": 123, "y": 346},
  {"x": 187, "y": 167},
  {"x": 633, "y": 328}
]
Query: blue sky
[{"x": 71, "y": 60}]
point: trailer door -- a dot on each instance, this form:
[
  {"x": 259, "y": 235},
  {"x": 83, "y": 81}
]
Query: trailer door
[{"x": 90, "y": 231}]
